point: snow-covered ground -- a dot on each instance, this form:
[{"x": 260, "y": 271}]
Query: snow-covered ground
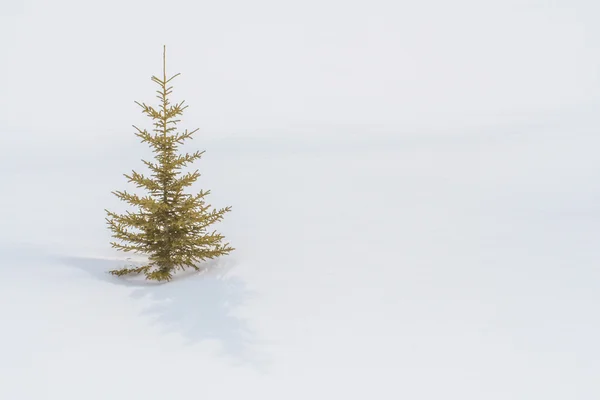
[
  {"x": 420, "y": 267},
  {"x": 415, "y": 189}
]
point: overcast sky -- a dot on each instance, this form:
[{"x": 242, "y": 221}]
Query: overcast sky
[{"x": 72, "y": 69}]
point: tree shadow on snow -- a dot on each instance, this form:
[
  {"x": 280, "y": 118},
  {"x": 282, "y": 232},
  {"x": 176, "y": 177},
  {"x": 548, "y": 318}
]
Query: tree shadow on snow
[{"x": 197, "y": 304}]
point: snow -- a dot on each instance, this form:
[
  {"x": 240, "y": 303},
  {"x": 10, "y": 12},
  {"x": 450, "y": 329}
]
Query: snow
[
  {"x": 415, "y": 192},
  {"x": 464, "y": 268}
]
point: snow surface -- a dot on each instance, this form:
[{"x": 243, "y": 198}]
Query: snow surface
[
  {"x": 415, "y": 189},
  {"x": 463, "y": 268}
]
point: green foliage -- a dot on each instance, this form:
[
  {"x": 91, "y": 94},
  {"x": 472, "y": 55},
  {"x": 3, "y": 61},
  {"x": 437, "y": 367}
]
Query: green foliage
[{"x": 169, "y": 226}]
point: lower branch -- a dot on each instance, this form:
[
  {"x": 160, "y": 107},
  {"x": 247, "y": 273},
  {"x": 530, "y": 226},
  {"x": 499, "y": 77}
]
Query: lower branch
[{"x": 127, "y": 271}]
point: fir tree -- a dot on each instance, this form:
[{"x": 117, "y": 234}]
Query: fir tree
[{"x": 169, "y": 226}]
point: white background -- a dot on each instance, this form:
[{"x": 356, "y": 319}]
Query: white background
[{"x": 415, "y": 192}]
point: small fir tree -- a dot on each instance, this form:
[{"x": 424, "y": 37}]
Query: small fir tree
[{"x": 168, "y": 226}]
